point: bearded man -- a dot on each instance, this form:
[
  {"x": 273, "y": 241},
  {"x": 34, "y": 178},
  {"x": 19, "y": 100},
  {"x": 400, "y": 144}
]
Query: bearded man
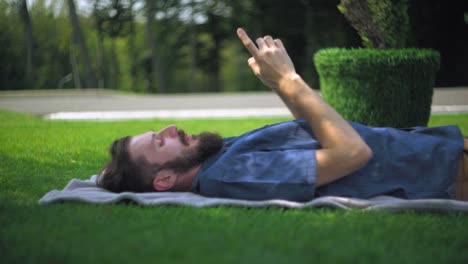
[{"x": 318, "y": 154}]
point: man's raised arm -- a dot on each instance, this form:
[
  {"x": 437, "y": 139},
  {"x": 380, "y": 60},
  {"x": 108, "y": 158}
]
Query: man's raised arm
[{"x": 343, "y": 150}]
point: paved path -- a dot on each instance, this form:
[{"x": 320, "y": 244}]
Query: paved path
[{"x": 105, "y": 104}]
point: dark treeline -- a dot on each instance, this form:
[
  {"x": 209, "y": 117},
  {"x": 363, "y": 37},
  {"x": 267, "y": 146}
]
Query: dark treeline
[{"x": 164, "y": 46}]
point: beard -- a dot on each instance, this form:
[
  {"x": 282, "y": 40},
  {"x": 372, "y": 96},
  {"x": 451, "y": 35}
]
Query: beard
[{"x": 208, "y": 145}]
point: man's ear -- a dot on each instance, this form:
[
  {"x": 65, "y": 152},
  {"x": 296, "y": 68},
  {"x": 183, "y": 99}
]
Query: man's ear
[{"x": 164, "y": 180}]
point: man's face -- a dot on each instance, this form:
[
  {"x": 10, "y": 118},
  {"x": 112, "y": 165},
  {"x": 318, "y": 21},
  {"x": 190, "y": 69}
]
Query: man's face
[
  {"x": 174, "y": 147},
  {"x": 161, "y": 147}
]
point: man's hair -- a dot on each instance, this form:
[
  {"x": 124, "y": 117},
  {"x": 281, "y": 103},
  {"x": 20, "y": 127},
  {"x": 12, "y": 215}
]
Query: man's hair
[{"x": 122, "y": 173}]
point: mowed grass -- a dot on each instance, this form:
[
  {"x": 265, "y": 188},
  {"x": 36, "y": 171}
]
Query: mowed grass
[{"x": 37, "y": 156}]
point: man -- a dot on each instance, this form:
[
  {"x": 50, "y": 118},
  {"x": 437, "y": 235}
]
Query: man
[{"x": 316, "y": 155}]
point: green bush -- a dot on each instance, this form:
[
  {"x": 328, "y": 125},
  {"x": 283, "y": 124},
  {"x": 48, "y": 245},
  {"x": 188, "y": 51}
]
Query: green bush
[{"x": 391, "y": 87}]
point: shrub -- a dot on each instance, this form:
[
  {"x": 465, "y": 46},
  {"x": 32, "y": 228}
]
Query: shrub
[{"x": 397, "y": 90}]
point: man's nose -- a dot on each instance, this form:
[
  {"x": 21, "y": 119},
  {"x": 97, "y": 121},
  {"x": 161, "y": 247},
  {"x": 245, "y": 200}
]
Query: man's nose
[{"x": 170, "y": 131}]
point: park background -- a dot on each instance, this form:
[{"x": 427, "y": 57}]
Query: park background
[{"x": 190, "y": 46}]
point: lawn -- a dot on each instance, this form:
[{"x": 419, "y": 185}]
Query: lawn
[{"x": 37, "y": 156}]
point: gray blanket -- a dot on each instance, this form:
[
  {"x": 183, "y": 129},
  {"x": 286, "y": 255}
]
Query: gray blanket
[{"x": 86, "y": 191}]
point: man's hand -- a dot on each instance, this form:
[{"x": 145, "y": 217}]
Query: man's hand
[
  {"x": 343, "y": 150},
  {"x": 270, "y": 62}
]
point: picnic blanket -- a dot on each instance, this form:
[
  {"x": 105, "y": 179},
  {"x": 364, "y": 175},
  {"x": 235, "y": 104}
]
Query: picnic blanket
[{"x": 86, "y": 191}]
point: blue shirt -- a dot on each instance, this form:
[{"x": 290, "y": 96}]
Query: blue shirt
[{"x": 278, "y": 162}]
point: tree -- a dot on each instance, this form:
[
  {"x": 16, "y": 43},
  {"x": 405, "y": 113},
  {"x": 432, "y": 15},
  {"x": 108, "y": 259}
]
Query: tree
[
  {"x": 216, "y": 13},
  {"x": 78, "y": 37},
  {"x": 218, "y": 27},
  {"x": 155, "y": 73},
  {"x": 193, "y": 47},
  {"x": 28, "y": 30},
  {"x": 98, "y": 23},
  {"x": 380, "y": 23},
  {"x": 112, "y": 18},
  {"x": 132, "y": 46}
]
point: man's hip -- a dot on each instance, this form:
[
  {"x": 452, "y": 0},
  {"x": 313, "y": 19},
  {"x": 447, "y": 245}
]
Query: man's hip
[{"x": 461, "y": 184}]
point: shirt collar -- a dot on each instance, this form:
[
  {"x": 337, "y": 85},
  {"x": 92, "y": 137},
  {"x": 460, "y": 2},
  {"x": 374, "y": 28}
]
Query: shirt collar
[{"x": 208, "y": 163}]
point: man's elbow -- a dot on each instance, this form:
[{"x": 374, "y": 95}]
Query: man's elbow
[
  {"x": 361, "y": 155},
  {"x": 369, "y": 153}
]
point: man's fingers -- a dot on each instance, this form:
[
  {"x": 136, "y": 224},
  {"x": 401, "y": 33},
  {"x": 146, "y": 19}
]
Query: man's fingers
[
  {"x": 261, "y": 43},
  {"x": 248, "y": 43},
  {"x": 279, "y": 43},
  {"x": 269, "y": 41},
  {"x": 253, "y": 65}
]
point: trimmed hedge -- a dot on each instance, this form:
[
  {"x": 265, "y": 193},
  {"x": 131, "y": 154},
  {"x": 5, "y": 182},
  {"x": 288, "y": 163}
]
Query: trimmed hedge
[{"x": 391, "y": 87}]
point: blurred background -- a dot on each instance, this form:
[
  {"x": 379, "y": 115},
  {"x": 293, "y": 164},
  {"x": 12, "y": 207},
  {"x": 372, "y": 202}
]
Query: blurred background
[{"x": 190, "y": 46}]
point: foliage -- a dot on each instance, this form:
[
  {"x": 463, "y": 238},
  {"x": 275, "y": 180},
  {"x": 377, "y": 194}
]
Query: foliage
[
  {"x": 38, "y": 156},
  {"x": 397, "y": 88},
  {"x": 380, "y": 23},
  {"x": 50, "y": 48},
  {"x": 11, "y": 69},
  {"x": 195, "y": 41},
  {"x": 391, "y": 16}
]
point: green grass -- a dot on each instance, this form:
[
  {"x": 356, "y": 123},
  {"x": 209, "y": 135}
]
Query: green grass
[{"x": 37, "y": 156}]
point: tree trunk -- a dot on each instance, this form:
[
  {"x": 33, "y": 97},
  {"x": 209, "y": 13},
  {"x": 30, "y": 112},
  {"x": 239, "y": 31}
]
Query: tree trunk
[
  {"x": 359, "y": 16},
  {"x": 156, "y": 69},
  {"x": 100, "y": 58},
  {"x": 114, "y": 72},
  {"x": 150, "y": 45},
  {"x": 214, "y": 67},
  {"x": 192, "y": 83},
  {"x": 79, "y": 38},
  {"x": 133, "y": 53},
  {"x": 100, "y": 46},
  {"x": 160, "y": 73},
  {"x": 74, "y": 64},
  {"x": 217, "y": 84},
  {"x": 23, "y": 9},
  {"x": 311, "y": 43}
]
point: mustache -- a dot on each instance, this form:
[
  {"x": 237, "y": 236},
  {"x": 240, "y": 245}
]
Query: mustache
[{"x": 182, "y": 136}]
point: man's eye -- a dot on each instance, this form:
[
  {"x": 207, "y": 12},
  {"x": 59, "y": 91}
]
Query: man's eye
[{"x": 159, "y": 142}]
